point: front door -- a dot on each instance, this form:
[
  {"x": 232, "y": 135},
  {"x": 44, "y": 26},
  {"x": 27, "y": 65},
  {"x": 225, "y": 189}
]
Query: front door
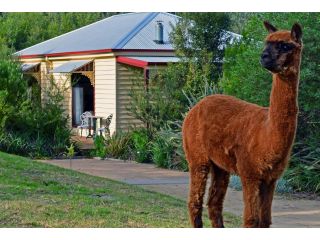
[
  {"x": 77, "y": 104},
  {"x": 82, "y": 97}
]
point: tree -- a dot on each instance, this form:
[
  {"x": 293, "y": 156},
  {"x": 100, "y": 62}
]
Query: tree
[
  {"x": 163, "y": 99},
  {"x": 199, "y": 39},
  {"x": 238, "y": 20},
  {"x": 12, "y": 90}
]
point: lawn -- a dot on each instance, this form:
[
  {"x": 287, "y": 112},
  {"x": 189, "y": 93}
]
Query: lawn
[{"x": 34, "y": 194}]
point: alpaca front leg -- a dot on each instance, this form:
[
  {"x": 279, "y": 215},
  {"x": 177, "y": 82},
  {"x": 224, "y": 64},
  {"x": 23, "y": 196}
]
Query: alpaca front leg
[
  {"x": 251, "y": 202},
  {"x": 266, "y": 197},
  {"x": 217, "y": 192},
  {"x": 198, "y": 180}
]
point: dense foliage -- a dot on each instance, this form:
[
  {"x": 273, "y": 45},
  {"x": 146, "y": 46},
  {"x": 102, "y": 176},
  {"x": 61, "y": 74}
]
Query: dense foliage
[
  {"x": 29, "y": 127},
  {"x": 199, "y": 39},
  {"x": 162, "y": 101}
]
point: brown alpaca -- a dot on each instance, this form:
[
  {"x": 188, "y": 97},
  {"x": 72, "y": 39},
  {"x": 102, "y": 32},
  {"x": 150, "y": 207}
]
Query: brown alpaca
[{"x": 224, "y": 135}]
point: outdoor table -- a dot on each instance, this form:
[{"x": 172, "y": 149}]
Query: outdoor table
[{"x": 92, "y": 120}]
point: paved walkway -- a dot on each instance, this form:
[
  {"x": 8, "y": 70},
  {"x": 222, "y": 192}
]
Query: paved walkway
[{"x": 286, "y": 213}]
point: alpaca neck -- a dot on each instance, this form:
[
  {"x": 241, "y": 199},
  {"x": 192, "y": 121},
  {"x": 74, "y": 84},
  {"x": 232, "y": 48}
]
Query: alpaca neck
[{"x": 283, "y": 109}]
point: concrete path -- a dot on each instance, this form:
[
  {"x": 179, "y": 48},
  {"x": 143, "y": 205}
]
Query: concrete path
[{"x": 286, "y": 212}]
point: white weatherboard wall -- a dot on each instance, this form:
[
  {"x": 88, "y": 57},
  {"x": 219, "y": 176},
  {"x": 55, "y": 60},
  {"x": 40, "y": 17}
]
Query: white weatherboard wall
[
  {"x": 125, "y": 75},
  {"x": 105, "y": 89}
]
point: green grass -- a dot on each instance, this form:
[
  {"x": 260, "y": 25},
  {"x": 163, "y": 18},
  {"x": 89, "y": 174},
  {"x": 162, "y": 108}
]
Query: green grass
[{"x": 34, "y": 194}]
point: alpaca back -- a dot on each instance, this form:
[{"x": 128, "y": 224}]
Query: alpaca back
[{"x": 220, "y": 124}]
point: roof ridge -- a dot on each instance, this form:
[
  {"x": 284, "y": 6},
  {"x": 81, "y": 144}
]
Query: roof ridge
[
  {"x": 128, "y": 13},
  {"x": 121, "y": 43},
  {"x": 172, "y": 15}
]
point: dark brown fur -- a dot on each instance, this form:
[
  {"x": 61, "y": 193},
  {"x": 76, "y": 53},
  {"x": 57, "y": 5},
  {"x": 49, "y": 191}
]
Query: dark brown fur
[{"x": 224, "y": 135}]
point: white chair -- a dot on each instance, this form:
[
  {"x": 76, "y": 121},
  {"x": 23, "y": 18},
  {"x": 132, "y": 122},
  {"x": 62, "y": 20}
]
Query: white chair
[
  {"x": 106, "y": 127},
  {"x": 84, "y": 117}
]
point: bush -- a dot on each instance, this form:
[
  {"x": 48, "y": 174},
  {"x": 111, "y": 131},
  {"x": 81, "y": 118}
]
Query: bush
[
  {"x": 170, "y": 140},
  {"x": 163, "y": 99},
  {"x": 304, "y": 168},
  {"x": 161, "y": 151},
  {"x": 45, "y": 123},
  {"x": 100, "y": 149},
  {"x": 11, "y": 143},
  {"x": 13, "y": 89},
  {"x": 119, "y": 145},
  {"x": 140, "y": 144},
  {"x": 28, "y": 126}
]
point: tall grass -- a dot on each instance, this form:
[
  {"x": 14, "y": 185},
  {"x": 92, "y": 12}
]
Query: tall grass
[{"x": 303, "y": 173}]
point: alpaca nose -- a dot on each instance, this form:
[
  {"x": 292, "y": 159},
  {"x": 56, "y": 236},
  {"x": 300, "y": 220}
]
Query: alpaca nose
[
  {"x": 265, "y": 56},
  {"x": 265, "y": 59}
]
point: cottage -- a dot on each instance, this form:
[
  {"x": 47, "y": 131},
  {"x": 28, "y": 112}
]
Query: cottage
[{"x": 95, "y": 61}]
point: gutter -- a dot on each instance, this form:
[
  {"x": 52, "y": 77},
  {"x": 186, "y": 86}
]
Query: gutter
[{"x": 75, "y": 53}]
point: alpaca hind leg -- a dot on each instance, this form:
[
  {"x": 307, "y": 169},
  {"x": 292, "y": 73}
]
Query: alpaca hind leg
[
  {"x": 251, "y": 202},
  {"x": 198, "y": 180},
  {"x": 266, "y": 196},
  {"x": 217, "y": 192}
]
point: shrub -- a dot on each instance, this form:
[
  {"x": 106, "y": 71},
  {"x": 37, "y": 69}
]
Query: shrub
[
  {"x": 119, "y": 145},
  {"x": 12, "y": 143},
  {"x": 304, "y": 168},
  {"x": 13, "y": 90},
  {"x": 161, "y": 151},
  {"x": 173, "y": 154},
  {"x": 28, "y": 126},
  {"x": 100, "y": 149},
  {"x": 140, "y": 140},
  {"x": 71, "y": 150},
  {"x": 45, "y": 123},
  {"x": 162, "y": 101}
]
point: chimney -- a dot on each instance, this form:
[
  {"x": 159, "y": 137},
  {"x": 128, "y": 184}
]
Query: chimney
[{"x": 159, "y": 32}]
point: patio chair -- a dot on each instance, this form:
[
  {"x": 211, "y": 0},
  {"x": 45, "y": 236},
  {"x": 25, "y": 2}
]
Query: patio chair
[
  {"x": 106, "y": 127},
  {"x": 84, "y": 117}
]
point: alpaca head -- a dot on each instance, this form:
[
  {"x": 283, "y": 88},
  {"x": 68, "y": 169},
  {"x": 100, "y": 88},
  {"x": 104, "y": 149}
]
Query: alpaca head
[{"x": 282, "y": 49}]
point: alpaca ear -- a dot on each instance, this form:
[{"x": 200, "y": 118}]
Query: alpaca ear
[
  {"x": 269, "y": 27},
  {"x": 296, "y": 32}
]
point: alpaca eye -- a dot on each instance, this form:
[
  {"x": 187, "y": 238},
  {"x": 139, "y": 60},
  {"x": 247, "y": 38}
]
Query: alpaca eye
[{"x": 285, "y": 46}]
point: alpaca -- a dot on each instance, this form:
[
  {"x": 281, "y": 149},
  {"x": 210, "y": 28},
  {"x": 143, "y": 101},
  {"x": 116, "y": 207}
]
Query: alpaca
[{"x": 224, "y": 135}]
